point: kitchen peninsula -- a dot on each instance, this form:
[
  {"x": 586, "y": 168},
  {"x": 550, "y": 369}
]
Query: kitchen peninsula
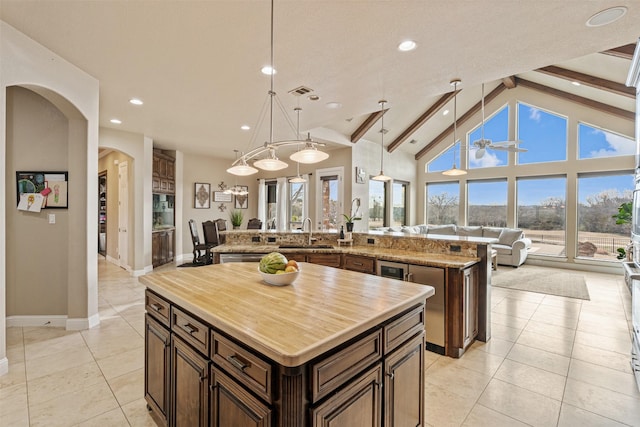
[{"x": 336, "y": 347}]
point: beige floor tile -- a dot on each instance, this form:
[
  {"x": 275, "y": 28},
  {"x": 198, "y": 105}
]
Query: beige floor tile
[
  {"x": 619, "y": 345},
  {"x": 14, "y": 336},
  {"x": 505, "y": 332},
  {"x": 508, "y": 320},
  {"x": 523, "y": 405},
  {"x": 70, "y": 380},
  {"x": 557, "y": 301},
  {"x": 128, "y": 387},
  {"x": 481, "y": 416},
  {"x": 597, "y": 356},
  {"x": 532, "y": 379},
  {"x": 570, "y": 311},
  {"x": 444, "y": 408},
  {"x": 516, "y": 308},
  {"x": 555, "y": 319},
  {"x": 122, "y": 363},
  {"x": 39, "y": 334},
  {"x": 46, "y": 347},
  {"x": 137, "y": 414},
  {"x": 114, "y": 346},
  {"x": 495, "y": 346},
  {"x": 609, "y": 404},
  {"x": 550, "y": 330},
  {"x": 571, "y": 416},
  {"x": 15, "y": 353},
  {"x": 542, "y": 359},
  {"x": 112, "y": 418},
  {"x": 480, "y": 361},
  {"x": 547, "y": 343},
  {"x": 15, "y": 376},
  {"x": 464, "y": 382},
  {"x": 601, "y": 376},
  {"x": 57, "y": 362},
  {"x": 13, "y": 399},
  {"x": 73, "y": 408}
]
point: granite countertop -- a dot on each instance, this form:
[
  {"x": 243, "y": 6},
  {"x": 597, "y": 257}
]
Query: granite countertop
[
  {"x": 292, "y": 324},
  {"x": 397, "y": 255}
]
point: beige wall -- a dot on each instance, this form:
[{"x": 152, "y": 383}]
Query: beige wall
[{"x": 37, "y": 276}]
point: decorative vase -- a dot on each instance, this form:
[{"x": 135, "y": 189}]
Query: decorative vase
[{"x": 349, "y": 227}]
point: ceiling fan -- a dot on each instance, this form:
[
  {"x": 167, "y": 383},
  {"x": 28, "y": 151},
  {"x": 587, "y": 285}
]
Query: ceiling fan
[{"x": 482, "y": 144}]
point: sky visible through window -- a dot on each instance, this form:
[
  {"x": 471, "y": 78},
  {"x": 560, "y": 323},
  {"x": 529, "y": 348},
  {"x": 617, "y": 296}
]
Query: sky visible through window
[
  {"x": 596, "y": 143},
  {"x": 496, "y": 129}
]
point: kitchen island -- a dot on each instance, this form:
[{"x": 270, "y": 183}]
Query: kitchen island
[{"x": 336, "y": 347}]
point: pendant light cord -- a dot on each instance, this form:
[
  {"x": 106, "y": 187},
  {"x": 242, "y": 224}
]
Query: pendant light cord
[
  {"x": 271, "y": 92},
  {"x": 382, "y": 138},
  {"x": 455, "y": 126}
]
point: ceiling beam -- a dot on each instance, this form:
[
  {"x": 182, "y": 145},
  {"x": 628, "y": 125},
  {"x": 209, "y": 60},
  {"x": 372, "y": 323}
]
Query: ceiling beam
[
  {"x": 466, "y": 116},
  {"x": 587, "y": 80},
  {"x": 367, "y": 124},
  {"x": 421, "y": 120},
  {"x": 590, "y": 103},
  {"x": 509, "y": 82},
  {"x": 625, "y": 52}
]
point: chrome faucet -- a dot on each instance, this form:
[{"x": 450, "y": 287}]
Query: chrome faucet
[{"x": 310, "y": 224}]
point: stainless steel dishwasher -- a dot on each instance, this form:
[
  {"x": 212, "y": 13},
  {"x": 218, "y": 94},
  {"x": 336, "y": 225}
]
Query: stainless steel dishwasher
[{"x": 434, "y": 308}]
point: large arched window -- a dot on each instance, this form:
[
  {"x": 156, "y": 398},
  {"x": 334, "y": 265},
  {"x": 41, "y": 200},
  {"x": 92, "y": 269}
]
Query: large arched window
[
  {"x": 496, "y": 129},
  {"x": 542, "y": 133},
  {"x": 596, "y": 143}
]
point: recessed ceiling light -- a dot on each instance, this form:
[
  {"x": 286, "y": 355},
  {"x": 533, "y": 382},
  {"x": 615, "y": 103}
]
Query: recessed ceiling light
[
  {"x": 445, "y": 112},
  {"x": 268, "y": 70},
  {"x": 334, "y": 105},
  {"x": 116, "y": 121},
  {"x": 136, "y": 101},
  {"x": 606, "y": 16},
  {"x": 313, "y": 97},
  {"x": 407, "y": 45},
  {"x": 245, "y": 127},
  {"x": 575, "y": 83}
]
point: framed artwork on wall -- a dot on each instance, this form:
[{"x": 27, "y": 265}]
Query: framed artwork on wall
[
  {"x": 361, "y": 174},
  {"x": 50, "y": 187},
  {"x": 242, "y": 200},
  {"x": 201, "y": 195},
  {"x": 221, "y": 196}
]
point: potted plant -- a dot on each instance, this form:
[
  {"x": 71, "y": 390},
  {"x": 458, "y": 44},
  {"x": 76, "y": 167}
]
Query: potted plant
[
  {"x": 353, "y": 216},
  {"x": 236, "y": 216}
]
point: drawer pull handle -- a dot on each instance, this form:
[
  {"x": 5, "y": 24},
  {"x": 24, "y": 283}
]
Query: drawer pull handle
[
  {"x": 379, "y": 385},
  {"x": 358, "y": 264},
  {"x": 237, "y": 363},
  {"x": 190, "y": 328},
  {"x": 157, "y": 307},
  {"x": 391, "y": 375}
]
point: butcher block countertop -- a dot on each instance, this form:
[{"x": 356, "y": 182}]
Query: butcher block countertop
[{"x": 322, "y": 309}]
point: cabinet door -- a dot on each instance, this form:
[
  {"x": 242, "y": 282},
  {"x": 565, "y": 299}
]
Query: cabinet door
[
  {"x": 156, "y": 249},
  {"x": 357, "y": 405},
  {"x": 470, "y": 304},
  {"x": 171, "y": 174},
  {"x": 404, "y": 385},
  {"x": 360, "y": 263},
  {"x": 162, "y": 168},
  {"x": 189, "y": 386},
  {"x": 330, "y": 260},
  {"x": 232, "y": 405},
  {"x": 157, "y": 353}
]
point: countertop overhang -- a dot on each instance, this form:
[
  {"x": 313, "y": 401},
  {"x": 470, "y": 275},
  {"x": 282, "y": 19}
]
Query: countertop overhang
[{"x": 291, "y": 324}]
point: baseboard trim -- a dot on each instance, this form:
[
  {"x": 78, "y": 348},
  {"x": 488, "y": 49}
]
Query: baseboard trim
[
  {"x": 58, "y": 321},
  {"x": 4, "y": 366},
  {"x": 80, "y": 324}
]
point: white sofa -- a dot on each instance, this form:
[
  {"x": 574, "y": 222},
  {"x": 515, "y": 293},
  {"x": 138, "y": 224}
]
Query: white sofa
[{"x": 512, "y": 246}]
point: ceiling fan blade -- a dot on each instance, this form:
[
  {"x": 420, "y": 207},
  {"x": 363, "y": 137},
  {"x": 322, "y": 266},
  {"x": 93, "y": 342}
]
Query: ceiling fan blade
[
  {"x": 500, "y": 147},
  {"x": 480, "y": 153},
  {"x": 505, "y": 143}
]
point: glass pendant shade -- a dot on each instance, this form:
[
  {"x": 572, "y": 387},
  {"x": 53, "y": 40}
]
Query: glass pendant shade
[
  {"x": 381, "y": 177},
  {"x": 309, "y": 155},
  {"x": 297, "y": 180},
  {"x": 242, "y": 169},
  {"x": 454, "y": 171},
  {"x": 270, "y": 163}
]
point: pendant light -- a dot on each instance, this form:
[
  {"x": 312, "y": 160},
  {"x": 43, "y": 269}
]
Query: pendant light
[
  {"x": 454, "y": 171},
  {"x": 298, "y": 179},
  {"x": 381, "y": 176}
]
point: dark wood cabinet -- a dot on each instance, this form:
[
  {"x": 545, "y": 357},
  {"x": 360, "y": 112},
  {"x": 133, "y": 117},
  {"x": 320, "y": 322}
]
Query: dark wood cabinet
[
  {"x": 157, "y": 358},
  {"x": 462, "y": 310},
  {"x": 232, "y": 405},
  {"x": 359, "y": 263},
  {"x": 189, "y": 386},
  {"x": 404, "y": 386},
  {"x": 164, "y": 179},
  {"x": 330, "y": 260},
  {"x": 162, "y": 247}
]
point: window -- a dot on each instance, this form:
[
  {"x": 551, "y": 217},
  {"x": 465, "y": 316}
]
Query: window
[
  {"x": 377, "y": 203},
  {"x": 399, "y": 216},
  {"x": 599, "y": 197},
  {"x": 444, "y": 161},
  {"x": 496, "y": 129},
  {"x": 542, "y": 213},
  {"x": 487, "y": 203},
  {"x": 443, "y": 201},
  {"x": 272, "y": 204},
  {"x": 329, "y": 205},
  {"x": 296, "y": 204},
  {"x": 543, "y": 134},
  {"x": 596, "y": 143}
]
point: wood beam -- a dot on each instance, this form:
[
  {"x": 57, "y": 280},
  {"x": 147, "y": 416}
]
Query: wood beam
[
  {"x": 421, "y": 120},
  {"x": 587, "y": 80},
  {"x": 596, "y": 105},
  {"x": 466, "y": 116},
  {"x": 625, "y": 52},
  {"x": 509, "y": 82},
  {"x": 367, "y": 124}
]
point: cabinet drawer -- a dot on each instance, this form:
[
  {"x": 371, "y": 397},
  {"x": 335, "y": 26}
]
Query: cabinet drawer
[
  {"x": 337, "y": 369},
  {"x": 192, "y": 330},
  {"x": 243, "y": 365},
  {"x": 403, "y": 328},
  {"x": 157, "y": 307},
  {"x": 330, "y": 260},
  {"x": 360, "y": 263}
]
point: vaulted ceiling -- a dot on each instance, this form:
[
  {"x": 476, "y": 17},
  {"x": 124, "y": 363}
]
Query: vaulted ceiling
[{"x": 196, "y": 64}]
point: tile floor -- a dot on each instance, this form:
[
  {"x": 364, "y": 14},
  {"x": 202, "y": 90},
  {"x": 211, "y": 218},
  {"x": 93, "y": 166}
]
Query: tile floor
[{"x": 552, "y": 361}]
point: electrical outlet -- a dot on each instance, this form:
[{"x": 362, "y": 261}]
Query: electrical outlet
[
  {"x": 271, "y": 239},
  {"x": 255, "y": 239},
  {"x": 52, "y": 218},
  {"x": 455, "y": 248},
  {"x": 371, "y": 241}
]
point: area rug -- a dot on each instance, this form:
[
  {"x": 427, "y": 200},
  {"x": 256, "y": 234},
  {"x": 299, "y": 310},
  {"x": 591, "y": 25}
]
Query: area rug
[
  {"x": 190, "y": 264},
  {"x": 543, "y": 280}
]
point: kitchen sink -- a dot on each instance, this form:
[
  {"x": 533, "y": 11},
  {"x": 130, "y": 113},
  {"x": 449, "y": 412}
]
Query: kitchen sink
[{"x": 305, "y": 247}]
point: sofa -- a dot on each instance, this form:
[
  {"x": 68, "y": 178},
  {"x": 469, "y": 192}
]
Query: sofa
[{"x": 512, "y": 246}]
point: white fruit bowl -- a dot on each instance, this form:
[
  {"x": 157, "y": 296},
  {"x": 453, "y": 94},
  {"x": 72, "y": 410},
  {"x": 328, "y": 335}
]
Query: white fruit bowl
[{"x": 282, "y": 279}]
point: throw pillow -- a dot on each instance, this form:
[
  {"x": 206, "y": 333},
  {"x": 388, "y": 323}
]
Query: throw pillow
[
  {"x": 446, "y": 230},
  {"x": 470, "y": 231},
  {"x": 508, "y": 236},
  {"x": 491, "y": 232}
]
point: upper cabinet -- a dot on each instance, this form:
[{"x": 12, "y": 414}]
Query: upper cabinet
[{"x": 164, "y": 180}]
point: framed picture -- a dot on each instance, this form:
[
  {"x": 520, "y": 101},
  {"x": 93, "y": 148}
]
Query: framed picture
[
  {"x": 221, "y": 196},
  {"x": 201, "y": 195},
  {"x": 53, "y": 184},
  {"x": 360, "y": 175},
  {"x": 242, "y": 200}
]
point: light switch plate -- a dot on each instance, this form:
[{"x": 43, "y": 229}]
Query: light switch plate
[{"x": 52, "y": 218}]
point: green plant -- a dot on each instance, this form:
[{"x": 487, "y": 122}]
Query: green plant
[
  {"x": 353, "y": 216},
  {"x": 624, "y": 216},
  {"x": 236, "y": 216},
  {"x": 350, "y": 218}
]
